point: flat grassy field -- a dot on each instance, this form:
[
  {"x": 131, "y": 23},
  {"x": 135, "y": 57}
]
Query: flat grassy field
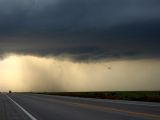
[{"x": 150, "y": 96}]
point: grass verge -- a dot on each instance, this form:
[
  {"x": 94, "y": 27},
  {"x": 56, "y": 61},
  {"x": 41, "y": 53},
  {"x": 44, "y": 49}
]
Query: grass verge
[{"x": 149, "y": 96}]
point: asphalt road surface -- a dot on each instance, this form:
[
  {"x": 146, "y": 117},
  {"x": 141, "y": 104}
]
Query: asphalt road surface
[{"x": 46, "y": 107}]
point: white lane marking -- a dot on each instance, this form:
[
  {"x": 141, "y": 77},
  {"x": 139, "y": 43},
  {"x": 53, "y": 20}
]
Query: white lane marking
[{"x": 27, "y": 113}]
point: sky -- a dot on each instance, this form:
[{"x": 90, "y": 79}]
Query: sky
[{"x": 79, "y": 45}]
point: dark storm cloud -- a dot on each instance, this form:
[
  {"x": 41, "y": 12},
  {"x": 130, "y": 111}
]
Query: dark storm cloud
[{"x": 82, "y": 29}]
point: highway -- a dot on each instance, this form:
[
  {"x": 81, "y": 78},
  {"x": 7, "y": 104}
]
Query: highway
[{"x": 49, "y": 107}]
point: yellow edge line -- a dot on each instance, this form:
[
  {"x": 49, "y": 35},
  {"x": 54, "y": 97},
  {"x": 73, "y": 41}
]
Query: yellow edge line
[{"x": 107, "y": 108}]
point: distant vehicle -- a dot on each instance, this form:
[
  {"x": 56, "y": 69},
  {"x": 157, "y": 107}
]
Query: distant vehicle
[{"x": 10, "y": 91}]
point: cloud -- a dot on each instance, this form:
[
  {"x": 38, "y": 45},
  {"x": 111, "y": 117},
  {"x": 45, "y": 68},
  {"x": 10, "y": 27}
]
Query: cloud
[
  {"x": 83, "y": 30},
  {"x": 30, "y": 73}
]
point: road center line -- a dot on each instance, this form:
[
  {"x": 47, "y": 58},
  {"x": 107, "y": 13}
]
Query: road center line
[{"x": 26, "y": 112}]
